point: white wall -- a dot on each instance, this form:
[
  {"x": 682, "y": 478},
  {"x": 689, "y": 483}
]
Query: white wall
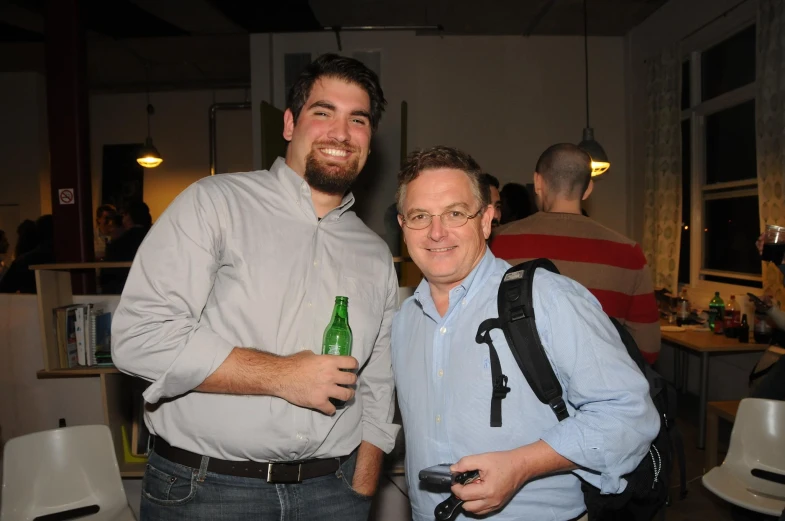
[
  {"x": 24, "y": 149},
  {"x": 180, "y": 131},
  {"x": 502, "y": 99}
]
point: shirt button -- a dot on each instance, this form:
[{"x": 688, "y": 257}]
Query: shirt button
[
  {"x": 441, "y": 373},
  {"x": 438, "y": 419},
  {"x": 463, "y": 302},
  {"x": 309, "y": 304},
  {"x": 315, "y": 263},
  {"x": 443, "y": 330},
  {"x": 300, "y": 436}
]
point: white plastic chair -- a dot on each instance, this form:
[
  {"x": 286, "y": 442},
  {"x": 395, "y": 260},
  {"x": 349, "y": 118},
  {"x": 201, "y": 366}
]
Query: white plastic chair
[
  {"x": 69, "y": 469},
  {"x": 753, "y": 473}
]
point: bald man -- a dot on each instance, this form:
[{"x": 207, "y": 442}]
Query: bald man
[{"x": 607, "y": 263}]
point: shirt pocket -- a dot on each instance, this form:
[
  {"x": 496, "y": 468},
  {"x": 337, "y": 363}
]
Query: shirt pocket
[{"x": 366, "y": 310}]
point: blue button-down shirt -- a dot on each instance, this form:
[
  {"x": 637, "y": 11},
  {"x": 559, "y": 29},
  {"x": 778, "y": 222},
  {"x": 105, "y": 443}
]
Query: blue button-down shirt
[{"x": 443, "y": 379}]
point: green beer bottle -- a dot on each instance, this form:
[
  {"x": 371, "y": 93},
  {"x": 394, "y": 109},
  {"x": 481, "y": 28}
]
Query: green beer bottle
[{"x": 337, "y": 338}]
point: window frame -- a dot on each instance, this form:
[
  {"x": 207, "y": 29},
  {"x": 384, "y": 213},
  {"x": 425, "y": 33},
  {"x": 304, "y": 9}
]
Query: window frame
[{"x": 697, "y": 113}]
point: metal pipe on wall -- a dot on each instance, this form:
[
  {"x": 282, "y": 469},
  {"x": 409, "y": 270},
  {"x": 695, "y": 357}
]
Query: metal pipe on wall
[{"x": 230, "y": 105}]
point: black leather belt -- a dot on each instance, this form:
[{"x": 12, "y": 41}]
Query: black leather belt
[{"x": 286, "y": 472}]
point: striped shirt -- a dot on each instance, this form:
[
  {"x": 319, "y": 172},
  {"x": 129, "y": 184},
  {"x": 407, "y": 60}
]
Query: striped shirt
[{"x": 608, "y": 264}]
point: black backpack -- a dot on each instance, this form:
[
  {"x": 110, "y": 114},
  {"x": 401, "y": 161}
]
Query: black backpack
[{"x": 648, "y": 484}]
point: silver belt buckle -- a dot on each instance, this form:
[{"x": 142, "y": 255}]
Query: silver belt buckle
[{"x": 272, "y": 478}]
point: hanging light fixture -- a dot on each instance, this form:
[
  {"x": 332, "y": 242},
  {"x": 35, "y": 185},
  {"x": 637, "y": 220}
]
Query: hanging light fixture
[
  {"x": 599, "y": 159},
  {"x": 148, "y": 155}
]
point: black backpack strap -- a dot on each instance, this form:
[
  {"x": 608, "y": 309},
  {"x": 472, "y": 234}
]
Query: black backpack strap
[
  {"x": 516, "y": 316},
  {"x": 499, "y": 380}
]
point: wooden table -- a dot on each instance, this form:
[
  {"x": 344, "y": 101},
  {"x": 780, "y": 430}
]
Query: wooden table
[{"x": 704, "y": 345}]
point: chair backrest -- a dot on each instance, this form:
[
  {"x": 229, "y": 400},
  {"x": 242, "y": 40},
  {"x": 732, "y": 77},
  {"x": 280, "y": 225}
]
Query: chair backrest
[
  {"x": 61, "y": 470},
  {"x": 757, "y": 451}
]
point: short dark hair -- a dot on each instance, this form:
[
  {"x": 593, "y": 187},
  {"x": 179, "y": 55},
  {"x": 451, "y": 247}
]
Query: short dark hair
[
  {"x": 45, "y": 227},
  {"x": 104, "y": 208},
  {"x": 139, "y": 213},
  {"x": 516, "y": 203},
  {"x": 566, "y": 169},
  {"x": 441, "y": 157},
  {"x": 490, "y": 180},
  {"x": 342, "y": 68}
]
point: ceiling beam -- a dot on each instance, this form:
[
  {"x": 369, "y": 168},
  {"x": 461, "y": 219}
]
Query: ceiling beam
[
  {"x": 23, "y": 18},
  {"x": 200, "y": 16}
]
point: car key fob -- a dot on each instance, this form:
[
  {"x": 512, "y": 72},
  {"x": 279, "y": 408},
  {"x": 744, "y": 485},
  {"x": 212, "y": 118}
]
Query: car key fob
[{"x": 446, "y": 509}]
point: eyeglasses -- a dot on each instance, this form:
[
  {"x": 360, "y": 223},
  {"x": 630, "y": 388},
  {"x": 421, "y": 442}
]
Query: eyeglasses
[{"x": 450, "y": 219}]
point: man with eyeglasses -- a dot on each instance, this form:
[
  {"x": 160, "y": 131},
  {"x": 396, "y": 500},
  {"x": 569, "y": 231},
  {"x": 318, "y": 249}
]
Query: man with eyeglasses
[{"x": 443, "y": 376}]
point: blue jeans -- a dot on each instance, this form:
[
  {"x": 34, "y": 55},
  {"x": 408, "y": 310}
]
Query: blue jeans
[{"x": 175, "y": 492}]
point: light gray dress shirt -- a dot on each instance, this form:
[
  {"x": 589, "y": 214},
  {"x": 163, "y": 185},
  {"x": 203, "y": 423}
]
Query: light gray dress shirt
[{"x": 242, "y": 260}]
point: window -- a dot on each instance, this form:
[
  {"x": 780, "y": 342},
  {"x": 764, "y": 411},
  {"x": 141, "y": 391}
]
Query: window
[
  {"x": 719, "y": 167},
  {"x": 730, "y": 144},
  {"x": 728, "y": 65}
]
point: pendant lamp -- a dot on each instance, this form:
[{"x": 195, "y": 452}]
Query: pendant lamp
[
  {"x": 148, "y": 155},
  {"x": 599, "y": 159}
]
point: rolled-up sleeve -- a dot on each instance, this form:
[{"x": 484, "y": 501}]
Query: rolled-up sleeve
[
  {"x": 156, "y": 333},
  {"x": 376, "y": 385},
  {"x": 614, "y": 421}
]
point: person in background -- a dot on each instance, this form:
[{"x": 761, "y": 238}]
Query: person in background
[
  {"x": 443, "y": 379},
  {"x": 516, "y": 203},
  {"x": 104, "y": 227},
  {"x": 4, "y": 246},
  {"x": 26, "y": 238},
  {"x": 496, "y": 200},
  {"x": 19, "y": 278},
  {"x": 610, "y": 265},
  {"x": 772, "y": 385},
  {"x": 136, "y": 223},
  {"x": 224, "y": 312},
  {"x": 118, "y": 228}
]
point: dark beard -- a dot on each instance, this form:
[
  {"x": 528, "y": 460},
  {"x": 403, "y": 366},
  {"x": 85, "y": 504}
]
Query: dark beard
[{"x": 330, "y": 179}]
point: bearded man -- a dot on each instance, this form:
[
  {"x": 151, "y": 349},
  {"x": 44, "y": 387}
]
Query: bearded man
[{"x": 223, "y": 313}]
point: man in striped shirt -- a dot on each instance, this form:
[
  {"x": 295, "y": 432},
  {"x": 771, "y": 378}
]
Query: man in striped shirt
[{"x": 608, "y": 264}]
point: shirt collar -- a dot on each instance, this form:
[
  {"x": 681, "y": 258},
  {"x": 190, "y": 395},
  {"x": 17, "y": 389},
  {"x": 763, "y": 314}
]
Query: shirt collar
[
  {"x": 299, "y": 189},
  {"x": 466, "y": 289}
]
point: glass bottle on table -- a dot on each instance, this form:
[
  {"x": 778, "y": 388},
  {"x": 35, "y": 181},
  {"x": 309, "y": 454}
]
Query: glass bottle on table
[
  {"x": 716, "y": 313},
  {"x": 732, "y": 319},
  {"x": 337, "y": 339},
  {"x": 743, "y": 333},
  {"x": 683, "y": 311}
]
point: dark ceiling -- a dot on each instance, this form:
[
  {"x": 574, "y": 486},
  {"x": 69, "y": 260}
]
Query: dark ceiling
[{"x": 204, "y": 43}]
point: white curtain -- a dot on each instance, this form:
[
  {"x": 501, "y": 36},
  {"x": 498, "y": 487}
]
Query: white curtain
[
  {"x": 770, "y": 126},
  {"x": 662, "y": 182}
]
